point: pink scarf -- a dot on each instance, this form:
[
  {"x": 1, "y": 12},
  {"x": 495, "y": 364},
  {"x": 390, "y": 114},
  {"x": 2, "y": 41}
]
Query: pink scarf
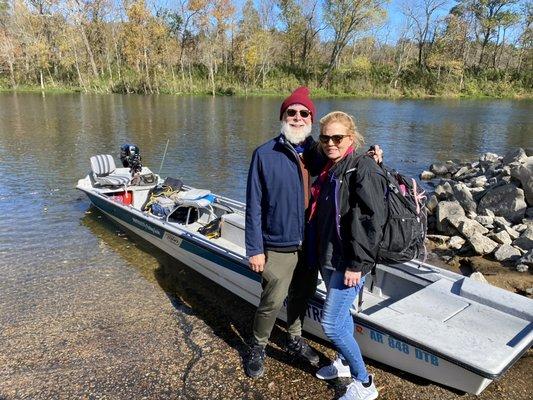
[{"x": 317, "y": 185}]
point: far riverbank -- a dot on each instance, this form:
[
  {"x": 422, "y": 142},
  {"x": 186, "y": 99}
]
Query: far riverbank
[{"x": 203, "y": 89}]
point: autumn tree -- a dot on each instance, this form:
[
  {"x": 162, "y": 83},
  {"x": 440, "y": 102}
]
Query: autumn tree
[
  {"x": 423, "y": 18},
  {"x": 301, "y": 29},
  {"x": 489, "y": 16},
  {"x": 346, "y": 18}
]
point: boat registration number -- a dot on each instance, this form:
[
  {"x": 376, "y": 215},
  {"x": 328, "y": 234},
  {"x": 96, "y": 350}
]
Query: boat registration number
[{"x": 403, "y": 347}]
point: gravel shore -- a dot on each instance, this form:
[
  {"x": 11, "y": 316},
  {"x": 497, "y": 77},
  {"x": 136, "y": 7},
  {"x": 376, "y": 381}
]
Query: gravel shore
[{"x": 136, "y": 324}]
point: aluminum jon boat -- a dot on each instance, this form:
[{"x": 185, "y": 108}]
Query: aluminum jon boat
[{"x": 416, "y": 317}]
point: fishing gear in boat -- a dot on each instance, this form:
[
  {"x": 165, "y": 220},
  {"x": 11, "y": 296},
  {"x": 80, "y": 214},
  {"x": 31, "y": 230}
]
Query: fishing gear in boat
[{"x": 212, "y": 229}]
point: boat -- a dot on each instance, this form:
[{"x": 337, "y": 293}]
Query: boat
[{"x": 414, "y": 316}]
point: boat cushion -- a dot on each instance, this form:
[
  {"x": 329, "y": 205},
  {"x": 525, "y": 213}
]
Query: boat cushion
[
  {"x": 193, "y": 194},
  {"x": 112, "y": 180},
  {"x": 102, "y": 165},
  {"x": 200, "y": 203}
]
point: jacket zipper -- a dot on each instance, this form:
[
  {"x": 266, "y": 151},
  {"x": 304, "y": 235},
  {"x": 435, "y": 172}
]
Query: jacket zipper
[{"x": 297, "y": 159}]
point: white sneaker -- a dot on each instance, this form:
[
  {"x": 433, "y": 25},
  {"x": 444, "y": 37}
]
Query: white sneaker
[
  {"x": 335, "y": 370},
  {"x": 356, "y": 391}
]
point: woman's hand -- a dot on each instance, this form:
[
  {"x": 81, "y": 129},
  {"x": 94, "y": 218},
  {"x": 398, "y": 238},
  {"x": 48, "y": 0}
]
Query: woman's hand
[{"x": 351, "y": 278}]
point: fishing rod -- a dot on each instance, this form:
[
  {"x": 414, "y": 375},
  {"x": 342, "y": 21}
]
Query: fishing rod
[{"x": 163, "y": 159}]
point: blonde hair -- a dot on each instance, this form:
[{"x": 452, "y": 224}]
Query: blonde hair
[{"x": 345, "y": 119}]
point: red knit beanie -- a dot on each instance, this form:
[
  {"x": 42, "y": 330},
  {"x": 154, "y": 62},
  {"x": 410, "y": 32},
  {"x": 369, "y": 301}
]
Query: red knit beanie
[{"x": 299, "y": 96}]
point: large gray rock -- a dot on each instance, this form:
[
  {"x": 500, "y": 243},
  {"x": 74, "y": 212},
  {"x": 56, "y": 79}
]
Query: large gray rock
[
  {"x": 489, "y": 158},
  {"x": 525, "y": 241},
  {"x": 452, "y": 167},
  {"x": 500, "y": 221},
  {"x": 446, "y": 211},
  {"x": 427, "y": 175},
  {"x": 432, "y": 203},
  {"x": 456, "y": 242},
  {"x": 481, "y": 244},
  {"x": 520, "y": 228},
  {"x": 485, "y": 220},
  {"x": 438, "y": 239},
  {"x": 501, "y": 237},
  {"x": 524, "y": 174},
  {"x": 506, "y": 252},
  {"x": 477, "y": 192},
  {"x": 512, "y": 233},
  {"x": 444, "y": 191},
  {"x": 479, "y": 181},
  {"x": 506, "y": 201},
  {"x": 464, "y": 197},
  {"x": 469, "y": 227},
  {"x": 438, "y": 168},
  {"x": 461, "y": 172},
  {"x": 514, "y": 155},
  {"x": 478, "y": 277}
]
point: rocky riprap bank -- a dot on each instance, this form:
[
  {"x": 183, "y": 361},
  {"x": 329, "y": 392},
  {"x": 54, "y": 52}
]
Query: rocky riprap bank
[{"x": 484, "y": 207}]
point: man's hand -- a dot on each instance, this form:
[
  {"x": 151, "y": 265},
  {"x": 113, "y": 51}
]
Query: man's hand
[
  {"x": 257, "y": 262},
  {"x": 376, "y": 153},
  {"x": 351, "y": 278}
]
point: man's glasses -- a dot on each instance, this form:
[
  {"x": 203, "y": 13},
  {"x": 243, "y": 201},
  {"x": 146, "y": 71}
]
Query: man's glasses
[
  {"x": 291, "y": 112},
  {"x": 335, "y": 138}
]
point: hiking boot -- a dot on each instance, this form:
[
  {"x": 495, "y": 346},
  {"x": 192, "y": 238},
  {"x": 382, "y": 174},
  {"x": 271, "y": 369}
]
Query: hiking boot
[
  {"x": 337, "y": 369},
  {"x": 297, "y": 346},
  {"x": 254, "y": 361},
  {"x": 358, "y": 390}
]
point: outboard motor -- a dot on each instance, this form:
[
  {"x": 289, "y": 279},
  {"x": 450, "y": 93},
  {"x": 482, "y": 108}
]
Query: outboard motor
[{"x": 131, "y": 158}]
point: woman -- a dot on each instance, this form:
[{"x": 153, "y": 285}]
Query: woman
[{"x": 345, "y": 221}]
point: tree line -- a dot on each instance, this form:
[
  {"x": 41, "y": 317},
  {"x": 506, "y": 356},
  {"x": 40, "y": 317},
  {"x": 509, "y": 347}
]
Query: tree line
[{"x": 437, "y": 47}]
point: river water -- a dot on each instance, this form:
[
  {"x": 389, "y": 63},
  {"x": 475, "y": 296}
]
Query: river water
[{"x": 55, "y": 250}]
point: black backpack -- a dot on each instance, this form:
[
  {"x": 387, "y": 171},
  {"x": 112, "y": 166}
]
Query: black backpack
[{"x": 404, "y": 233}]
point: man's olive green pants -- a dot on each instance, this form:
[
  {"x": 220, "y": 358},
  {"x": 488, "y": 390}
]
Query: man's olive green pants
[{"x": 285, "y": 275}]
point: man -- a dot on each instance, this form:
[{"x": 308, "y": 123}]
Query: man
[{"x": 277, "y": 196}]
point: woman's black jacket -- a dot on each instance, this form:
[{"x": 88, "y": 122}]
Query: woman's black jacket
[{"x": 359, "y": 213}]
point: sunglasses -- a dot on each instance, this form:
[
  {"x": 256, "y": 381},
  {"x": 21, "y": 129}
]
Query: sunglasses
[
  {"x": 291, "y": 112},
  {"x": 335, "y": 138}
]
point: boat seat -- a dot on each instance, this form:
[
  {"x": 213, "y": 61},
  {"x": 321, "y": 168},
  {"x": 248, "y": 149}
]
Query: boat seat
[
  {"x": 232, "y": 228},
  {"x": 104, "y": 172}
]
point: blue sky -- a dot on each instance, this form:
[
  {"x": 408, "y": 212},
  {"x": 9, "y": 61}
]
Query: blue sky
[{"x": 389, "y": 32}]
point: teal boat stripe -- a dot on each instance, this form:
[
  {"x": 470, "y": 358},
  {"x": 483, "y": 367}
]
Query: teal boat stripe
[
  {"x": 186, "y": 243},
  {"x": 219, "y": 260}
]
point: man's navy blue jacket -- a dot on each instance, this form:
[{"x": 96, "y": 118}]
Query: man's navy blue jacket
[{"x": 275, "y": 210}]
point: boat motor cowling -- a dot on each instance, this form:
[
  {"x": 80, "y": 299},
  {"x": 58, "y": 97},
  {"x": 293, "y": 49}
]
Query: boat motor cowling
[{"x": 131, "y": 158}]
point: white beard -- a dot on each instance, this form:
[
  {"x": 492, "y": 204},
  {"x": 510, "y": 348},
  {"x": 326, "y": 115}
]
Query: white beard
[{"x": 295, "y": 136}]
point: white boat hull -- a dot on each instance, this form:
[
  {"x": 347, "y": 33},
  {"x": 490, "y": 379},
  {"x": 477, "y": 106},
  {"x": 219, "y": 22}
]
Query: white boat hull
[{"x": 374, "y": 344}]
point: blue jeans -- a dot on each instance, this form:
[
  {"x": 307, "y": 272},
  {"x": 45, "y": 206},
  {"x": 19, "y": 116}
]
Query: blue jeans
[{"x": 337, "y": 321}]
